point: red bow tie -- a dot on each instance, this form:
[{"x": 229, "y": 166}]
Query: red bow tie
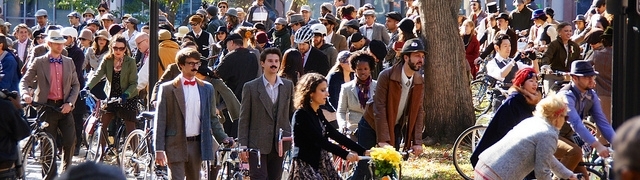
[{"x": 190, "y": 83}]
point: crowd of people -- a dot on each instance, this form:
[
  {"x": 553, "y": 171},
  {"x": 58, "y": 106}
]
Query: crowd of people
[{"x": 232, "y": 75}]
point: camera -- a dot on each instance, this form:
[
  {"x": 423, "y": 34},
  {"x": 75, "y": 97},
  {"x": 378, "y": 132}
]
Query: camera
[{"x": 5, "y": 94}]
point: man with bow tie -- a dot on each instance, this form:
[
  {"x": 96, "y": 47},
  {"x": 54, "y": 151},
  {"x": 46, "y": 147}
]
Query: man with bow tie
[
  {"x": 503, "y": 68},
  {"x": 372, "y": 30},
  {"x": 184, "y": 131},
  {"x": 55, "y": 82},
  {"x": 582, "y": 101}
]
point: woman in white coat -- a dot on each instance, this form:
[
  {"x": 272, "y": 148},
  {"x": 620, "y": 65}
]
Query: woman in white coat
[{"x": 355, "y": 94}]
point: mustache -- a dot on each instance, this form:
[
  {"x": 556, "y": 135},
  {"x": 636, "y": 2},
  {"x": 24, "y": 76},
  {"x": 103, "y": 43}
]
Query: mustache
[
  {"x": 274, "y": 67},
  {"x": 194, "y": 70}
]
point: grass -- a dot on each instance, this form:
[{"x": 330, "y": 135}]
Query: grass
[{"x": 435, "y": 163}]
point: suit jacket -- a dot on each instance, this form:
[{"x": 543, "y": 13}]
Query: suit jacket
[
  {"x": 317, "y": 62},
  {"x": 26, "y": 51},
  {"x": 170, "y": 135},
  {"x": 340, "y": 42},
  {"x": 385, "y": 107},
  {"x": 222, "y": 91},
  {"x": 556, "y": 55},
  {"x": 37, "y": 77},
  {"x": 128, "y": 76},
  {"x": 349, "y": 108},
  {"x": 379, "y": 32},
  {"x": 260, "y": 118},
  {"x": 38, "y": 51}
]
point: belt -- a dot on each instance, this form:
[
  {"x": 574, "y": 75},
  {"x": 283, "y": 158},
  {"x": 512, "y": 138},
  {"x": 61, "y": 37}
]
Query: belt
[
  {"x": 194, "y": 138},
  {"x": 55, "y": 101}
]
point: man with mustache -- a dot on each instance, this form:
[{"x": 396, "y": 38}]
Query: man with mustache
[
  {"x": 266, "y": 107},
  {"x": 397, "y": 105}
]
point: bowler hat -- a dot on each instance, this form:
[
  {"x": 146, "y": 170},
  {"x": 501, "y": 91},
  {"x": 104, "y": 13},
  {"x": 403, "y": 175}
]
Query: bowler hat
[
  {"x": 413, "y": 45},
  {"x": 503, "y": 16},
  {"x": 406, "y": 25},
  {"x": 582, "y": 68}
]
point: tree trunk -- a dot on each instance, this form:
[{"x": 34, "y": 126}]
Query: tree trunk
[{"x": 448, "y": 106}]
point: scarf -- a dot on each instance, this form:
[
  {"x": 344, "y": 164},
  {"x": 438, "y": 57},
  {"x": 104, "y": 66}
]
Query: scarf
[
  {"x": 348, "y": 17},
  {"x": 363, "y": 93}
]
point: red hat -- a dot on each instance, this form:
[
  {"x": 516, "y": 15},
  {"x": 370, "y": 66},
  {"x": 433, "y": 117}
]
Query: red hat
[{"x": 261, "y": 37}]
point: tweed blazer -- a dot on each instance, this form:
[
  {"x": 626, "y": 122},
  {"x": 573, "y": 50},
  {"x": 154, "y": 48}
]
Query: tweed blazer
[
  {"x": 349, "y": 109},
  {"x": 261, "y": 119},
  {"x": 37, "y": 77},
  {"x": 379, "y": 32},
  {"x": 128, "y": 76},
  {"x": 16, "y": 43},
  {"x": 340, "y": 42},
  {"x": 37, "y": 51},
  {"x": 169, "y": 124}
]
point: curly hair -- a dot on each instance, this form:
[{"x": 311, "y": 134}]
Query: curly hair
[
  {"x": 362, "y": 56},
  {"x": 118, "y": 39},
  {"x": 551, "y": 107},
  {"x": 248, "y": 36},
  {"x": 306, "y": 85}
]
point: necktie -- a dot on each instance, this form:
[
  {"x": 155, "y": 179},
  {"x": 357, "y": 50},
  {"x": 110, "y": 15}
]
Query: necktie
[
  {"x": 190, "y": 83},
  {"x": 53, "y": 60},
  {"x": 475, "y": 17}
]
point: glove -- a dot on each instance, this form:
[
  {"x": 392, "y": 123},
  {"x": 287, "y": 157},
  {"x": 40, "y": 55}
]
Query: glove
[
  {"x": 83, "y": 92},
  {"x": 124, "y": 97},
  {"x": 229, "y": 141}
]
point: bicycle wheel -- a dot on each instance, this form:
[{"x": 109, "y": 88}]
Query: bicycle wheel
[
  {"x": 595, "y": 174},
  {"x": 463, "y": 148},
  {"x": 135, "y": 157},
  {"x": 481, "y": 97},
  {"x": 40, "y": 151},
  {"x": 589, "y": 154},
  {"x": 286, "y": 165},
  {"x": 94, "y": 151},
  {"x": 205, "y": 170}
]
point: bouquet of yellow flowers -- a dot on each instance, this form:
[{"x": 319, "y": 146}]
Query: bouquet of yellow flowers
[{"x": 386, "y": 161}]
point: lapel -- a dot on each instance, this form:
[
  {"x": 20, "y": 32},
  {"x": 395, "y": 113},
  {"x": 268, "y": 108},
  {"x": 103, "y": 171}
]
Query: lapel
[
  {"x": 354, "y": 88},
  {"x": 178, "y": 92},
  {"x": 44, "y": 66},
  {"x": 109, "y": 66},
  {"x": 204, "y": 104},
  {"x": 66, "y": 68},
  {"x": 283, "y": 94},
  {"x": 264, "y": 97}
]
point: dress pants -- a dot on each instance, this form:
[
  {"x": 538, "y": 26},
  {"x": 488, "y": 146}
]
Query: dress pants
[
  {"x": 271, "y": 165},
  {"x": 191, "y": 168},
  {"x": 79, "y": 111},
  {"x": 63, "y": 122}
]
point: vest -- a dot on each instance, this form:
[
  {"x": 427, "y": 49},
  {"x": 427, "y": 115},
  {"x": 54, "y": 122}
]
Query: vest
[
  {"x": 545, "y": 37},
  {"x": 202, "y": 42},
  {"x": 583, "y": 108},
  {"x": 512, "y": 73}
]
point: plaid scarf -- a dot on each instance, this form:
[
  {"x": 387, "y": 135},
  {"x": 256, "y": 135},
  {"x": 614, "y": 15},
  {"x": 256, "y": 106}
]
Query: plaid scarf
[{"x": 363, "y": 93}]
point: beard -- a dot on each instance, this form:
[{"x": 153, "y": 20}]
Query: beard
[{"x": 414, "y": 66}]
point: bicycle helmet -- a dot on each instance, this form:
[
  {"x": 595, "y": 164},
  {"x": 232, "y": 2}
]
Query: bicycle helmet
[
  {"x": 319, "y": 28},
  {"x": 304, "y": 34},
  {"x": 69, "y": 31}
]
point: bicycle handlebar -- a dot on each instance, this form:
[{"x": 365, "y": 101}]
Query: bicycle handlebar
[{"x": 239, "y": 149}]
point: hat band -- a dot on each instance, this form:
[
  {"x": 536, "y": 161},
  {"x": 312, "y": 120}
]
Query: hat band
[{"x": 57, "y": 38}]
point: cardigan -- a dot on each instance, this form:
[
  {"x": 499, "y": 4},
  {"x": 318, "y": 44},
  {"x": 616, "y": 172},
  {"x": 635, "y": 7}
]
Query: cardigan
[{"x": 308, "y": 138}]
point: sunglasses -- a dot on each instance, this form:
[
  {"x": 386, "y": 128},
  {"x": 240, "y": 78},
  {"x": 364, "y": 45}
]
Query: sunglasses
[
  {"x": 194, "y": 63},
  {"x": 193, "y": 24},
  {"x": 119, "y": 48},
  {"x": 222, "y": 7},
  {"x": 101, "y": 10}
]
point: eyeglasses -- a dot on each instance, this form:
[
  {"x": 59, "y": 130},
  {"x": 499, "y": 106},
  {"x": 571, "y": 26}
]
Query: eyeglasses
[
  {"x": 138, "y": 43},
  {"x": 66, "y": 37},
  {"x": 193, "y": 24},
  {"x": 222, "y": 7},
  {"x": 101, "y": 10},
  {"x": 194, "y": 63},
  {"x": 119, "y": 48}
]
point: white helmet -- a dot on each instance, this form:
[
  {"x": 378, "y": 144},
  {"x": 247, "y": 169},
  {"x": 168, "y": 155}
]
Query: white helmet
[
  {"x": 319, "y": 28},
  {"x": 304, "y": 34},
  {"x": 69, "y": 31}
]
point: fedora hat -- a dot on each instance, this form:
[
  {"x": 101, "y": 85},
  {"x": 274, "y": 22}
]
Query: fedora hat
[
  {"x": 296, "y": 18},
  {"x": 55, "y": 36},
  {"x": 329, "y": 18},
  {"x": 182, "y": 31},
  {"x": 582, "y": 68},
  {"x": 102, "y": 34}
]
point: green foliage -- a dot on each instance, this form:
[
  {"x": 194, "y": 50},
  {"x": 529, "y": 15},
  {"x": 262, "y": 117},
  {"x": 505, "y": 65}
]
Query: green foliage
[{"x": 77, "y": 5}]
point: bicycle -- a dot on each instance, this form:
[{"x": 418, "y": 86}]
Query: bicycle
[
  {"x": 110, "y": 154},
  {"x": 600, "y": 168},
  {"x": 287, "y": 160},
  {"x": 40, "y": 147},
  {"x": 463, "y": 147},
  {"x": 137, "y": 156},
  {"x": 232, "y": 167}
]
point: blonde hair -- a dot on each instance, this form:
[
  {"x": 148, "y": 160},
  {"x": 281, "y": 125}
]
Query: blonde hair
[
  {"x": 552, "y": 107},
  {"x": 466, "y": 23}
]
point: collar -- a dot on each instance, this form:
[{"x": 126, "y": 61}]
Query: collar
[
  {"x": 306, "y": 55},
  {"x": 500, "y": 58},
  {"x": 266, "y": 82},
  {"x": 197, "y": 33},
  {"x": 586, "y": 94},
  {"x": 23, "y": 43},
  {"x": 405, "y": 78}
]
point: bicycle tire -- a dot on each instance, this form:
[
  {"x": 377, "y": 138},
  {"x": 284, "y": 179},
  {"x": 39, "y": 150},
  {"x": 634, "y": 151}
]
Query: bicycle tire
[
  {"x": 205, "y": 169},
  {"x": 286, "y": 165},
  {"x": 481, "y": 98},
  {"x": 592, "y": 155},
  {"x": 594, "y": 174},
  {"x": 43, "y": 148},
  {"x": 94, "y": 153},
  {"x": 135, "y": 157},
  {"x": 462, "y": 150}
]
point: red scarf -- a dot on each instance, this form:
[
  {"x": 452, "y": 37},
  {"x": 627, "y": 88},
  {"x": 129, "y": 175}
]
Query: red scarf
[{"x": 363, "y": 93}]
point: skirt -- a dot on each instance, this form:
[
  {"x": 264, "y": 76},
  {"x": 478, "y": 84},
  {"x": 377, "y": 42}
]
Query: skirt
[{"x": 325, "y": 171}]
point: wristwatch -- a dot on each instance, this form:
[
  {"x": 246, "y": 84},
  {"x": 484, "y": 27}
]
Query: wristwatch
[{"x": 70, "y": 104}]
